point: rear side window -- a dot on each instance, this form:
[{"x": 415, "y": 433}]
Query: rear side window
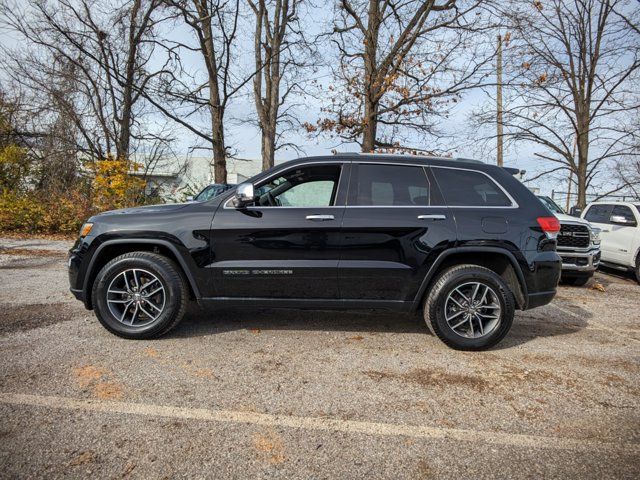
[
  {"x": 466, "y": 188},
  {"x": 389, "y": 185},
  {"x": 599, "y": 213}
]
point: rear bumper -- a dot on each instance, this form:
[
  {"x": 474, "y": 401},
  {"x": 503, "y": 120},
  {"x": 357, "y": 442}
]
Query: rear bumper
[
  {"x": 540, "y": 298},
  {"x": 541, "y": 277}
]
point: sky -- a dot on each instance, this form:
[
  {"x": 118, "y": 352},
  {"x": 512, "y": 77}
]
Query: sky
[{"x": 244, "y": 139}]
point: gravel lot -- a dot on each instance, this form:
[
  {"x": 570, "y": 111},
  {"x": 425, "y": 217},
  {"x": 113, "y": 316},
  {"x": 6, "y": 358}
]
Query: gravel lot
[{"x": 295, "y": 394}]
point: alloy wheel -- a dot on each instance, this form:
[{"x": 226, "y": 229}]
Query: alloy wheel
[
  {"x": 136, "y": 297},
  {"x": 472, "y": 310}
]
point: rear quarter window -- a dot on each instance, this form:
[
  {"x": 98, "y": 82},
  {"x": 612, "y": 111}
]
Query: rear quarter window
[{"x": 468, "y": 188}]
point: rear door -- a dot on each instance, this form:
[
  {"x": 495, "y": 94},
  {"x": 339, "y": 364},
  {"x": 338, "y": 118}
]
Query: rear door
[
  {"x": 392, "y": 232},
  {"x": 286, "y": 245}
]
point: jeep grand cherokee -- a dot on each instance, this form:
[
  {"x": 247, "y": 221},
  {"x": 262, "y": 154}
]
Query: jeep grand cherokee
[{"x": 463, "y": 242}]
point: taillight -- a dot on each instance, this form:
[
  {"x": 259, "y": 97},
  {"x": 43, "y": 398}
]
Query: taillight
[{"x": 550, "y": 226}]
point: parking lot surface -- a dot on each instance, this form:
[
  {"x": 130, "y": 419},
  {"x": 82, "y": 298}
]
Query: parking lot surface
[{"x": 301, "y": 394}]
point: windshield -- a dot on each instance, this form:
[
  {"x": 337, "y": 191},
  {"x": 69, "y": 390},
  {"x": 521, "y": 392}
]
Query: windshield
[
  {"x": 551, "y": 205},
  {"x": 209, "y": 192}
]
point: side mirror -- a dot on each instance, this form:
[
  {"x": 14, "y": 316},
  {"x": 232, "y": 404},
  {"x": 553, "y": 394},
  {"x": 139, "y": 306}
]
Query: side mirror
[
  {"x": 245, "y": 194},
  {"x": 575, "y": 211},
  {"x": 189, "y": 198},
  {"x": 619, "y": 219}
]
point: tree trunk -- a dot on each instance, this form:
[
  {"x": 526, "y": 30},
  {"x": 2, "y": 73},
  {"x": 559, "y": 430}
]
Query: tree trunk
[
  {"x": 215, "y": 105},
  {"x": 370, "y": 126},
  {"x": 219, "y": 151},
  {"x": 268, "y": 147},
  {"x": 371, "y": 97},
  {"x": 583, "y": 162}
]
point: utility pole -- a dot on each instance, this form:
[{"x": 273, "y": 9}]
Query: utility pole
[{"x": 500, "y": 158}]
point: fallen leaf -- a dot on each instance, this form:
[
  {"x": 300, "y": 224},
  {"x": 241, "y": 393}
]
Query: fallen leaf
[
  {"x": 598, "y": 286},
  {"x": 89, "y": 374},
  {"x": 150, "y": 352},
  {"x": 270, "y": 446},
  {"x": 107, "y": 391},
  {"x": 88, "y": 456}
]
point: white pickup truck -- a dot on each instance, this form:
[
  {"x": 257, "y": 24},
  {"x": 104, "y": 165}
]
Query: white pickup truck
[
  {"x": 620, "y": 233},
  {"x": 578, "y": 245}
]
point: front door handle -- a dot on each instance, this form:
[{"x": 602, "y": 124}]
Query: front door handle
[
  {"x": 432, "y": 217},
  {"x": 319, "y": 218}
]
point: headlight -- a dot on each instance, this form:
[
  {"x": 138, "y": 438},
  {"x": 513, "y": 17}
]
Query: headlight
[
  {"x": 594, "y": 234},
  {"x": 86, "y": 228}
]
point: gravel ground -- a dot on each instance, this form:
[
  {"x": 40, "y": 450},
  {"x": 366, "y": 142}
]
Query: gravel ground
[{"x": 295, "y": 394}]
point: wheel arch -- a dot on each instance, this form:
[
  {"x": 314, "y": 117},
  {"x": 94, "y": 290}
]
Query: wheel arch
[
  {"x": 499, "y": 260},
  {"x": 110, "y": 249}
]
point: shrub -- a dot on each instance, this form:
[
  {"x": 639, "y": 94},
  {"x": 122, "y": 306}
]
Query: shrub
[
  {"x": 114, "y": 186},
  {"x": 31, "y": 213}
]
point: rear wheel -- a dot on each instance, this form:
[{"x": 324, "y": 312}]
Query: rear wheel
[
  {"x": 637, "y": 271},
  {"x": 469, "y": 308},
  {"x": 139, "y": 295}
]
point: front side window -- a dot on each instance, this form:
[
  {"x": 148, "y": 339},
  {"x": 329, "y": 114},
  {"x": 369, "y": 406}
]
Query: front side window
[
  {"x": 599, "y": 213},
  {"x": 467, "y": 188},
  {"x": 389, "y": 185},
  {"x": 313, "y": 186}
]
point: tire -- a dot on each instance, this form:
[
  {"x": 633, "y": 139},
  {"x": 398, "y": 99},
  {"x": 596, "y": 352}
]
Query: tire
[
  {"x": 110, "y": 295},
  {"x": 464, "y": 278},
  {"x": 637, "y": 270}
]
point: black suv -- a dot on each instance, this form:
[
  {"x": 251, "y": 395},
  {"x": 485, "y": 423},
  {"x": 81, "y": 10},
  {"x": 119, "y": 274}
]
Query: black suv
[{"x": 465, "y": 242}]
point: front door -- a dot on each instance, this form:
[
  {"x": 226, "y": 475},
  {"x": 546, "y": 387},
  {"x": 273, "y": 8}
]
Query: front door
[
  {"x": 392, "y": 232},
  {"x": 599, "y": 215},
  {"x": 620, "y": 234},
  {"x": 287, "y": 244}
]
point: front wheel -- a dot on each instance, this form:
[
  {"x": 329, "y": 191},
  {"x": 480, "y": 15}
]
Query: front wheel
[
  {"x": 139, "y": 295},
  {"x": 469, "y": 308}
]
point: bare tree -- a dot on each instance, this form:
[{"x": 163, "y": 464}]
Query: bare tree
[
  {"x": 573, "y": 68},
  {"x": 90, "y": 58},
  {"x": 400, "y": 69},
  {"x": 214, "y": 24},
  {"x": 281, "y": 52}
]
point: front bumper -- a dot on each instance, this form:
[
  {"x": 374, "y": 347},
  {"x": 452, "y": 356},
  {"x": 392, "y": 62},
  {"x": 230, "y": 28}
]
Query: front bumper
[
  {"x": 580, "y": 262},
  {"x": 76, "y": 266}
]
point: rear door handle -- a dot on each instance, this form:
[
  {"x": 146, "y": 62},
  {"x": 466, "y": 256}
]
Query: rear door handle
[
  {"x": 319, "y": 218},
  {"x": 432, "y": 217}
]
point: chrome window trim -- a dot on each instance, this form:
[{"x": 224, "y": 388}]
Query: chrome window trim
[{"x": 513, "y": 205}]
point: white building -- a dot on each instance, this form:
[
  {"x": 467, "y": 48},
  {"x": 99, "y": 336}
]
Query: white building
[{"x": 177, "y": 178}]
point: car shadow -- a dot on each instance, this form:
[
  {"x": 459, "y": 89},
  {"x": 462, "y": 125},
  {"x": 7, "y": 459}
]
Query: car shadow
[
  {"x": 200, "y": 322},
  {"x": 527, "y": 326},
  {"x": 530, "y": 325},
  {"x": 607, "y": 275}
]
